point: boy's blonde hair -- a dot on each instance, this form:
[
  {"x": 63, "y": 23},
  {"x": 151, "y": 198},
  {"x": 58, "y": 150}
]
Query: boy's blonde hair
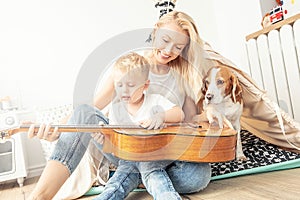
[{"x": 132, "y": 62}]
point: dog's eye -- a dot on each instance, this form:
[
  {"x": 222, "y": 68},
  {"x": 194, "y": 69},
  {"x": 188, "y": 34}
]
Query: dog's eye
[{"x": 220, "y": 82}]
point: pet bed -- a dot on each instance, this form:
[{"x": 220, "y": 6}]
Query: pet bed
[{"x": 261, "y": 157}]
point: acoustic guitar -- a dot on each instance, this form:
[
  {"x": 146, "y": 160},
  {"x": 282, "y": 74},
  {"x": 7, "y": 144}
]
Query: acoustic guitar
[{"x": 183, "y": 141}]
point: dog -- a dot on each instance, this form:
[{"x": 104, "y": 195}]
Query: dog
[{"x": 222, "y": 101}]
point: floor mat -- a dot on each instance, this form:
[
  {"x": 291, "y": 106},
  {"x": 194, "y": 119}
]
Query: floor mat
[{"x": 261, "y": 157}]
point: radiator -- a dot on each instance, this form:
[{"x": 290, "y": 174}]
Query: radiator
[{"x": 274, "y": 62}]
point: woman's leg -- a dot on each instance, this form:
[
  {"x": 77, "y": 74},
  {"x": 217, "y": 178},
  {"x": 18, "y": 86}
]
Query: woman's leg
[
  {"x": 189, "y": 177},
  {"x": 67, "y": 154},
  {"x": 53, "y": 177}
]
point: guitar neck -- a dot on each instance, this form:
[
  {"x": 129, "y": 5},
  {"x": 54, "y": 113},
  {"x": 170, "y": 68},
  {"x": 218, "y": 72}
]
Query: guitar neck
[
  {"x": 79, "y": 128},
  {"x": 75, "y": 128}
]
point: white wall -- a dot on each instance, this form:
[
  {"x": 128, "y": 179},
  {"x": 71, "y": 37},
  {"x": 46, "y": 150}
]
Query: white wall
[
  {"x": 235, "y": 20},
  {"x": 43, "y": 44},
  {"x": 267, "y": 5},
  {"x": 224, "y": 24}
]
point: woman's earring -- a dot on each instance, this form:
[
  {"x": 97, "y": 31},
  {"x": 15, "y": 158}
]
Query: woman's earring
[{"x": 149, "y": 38}]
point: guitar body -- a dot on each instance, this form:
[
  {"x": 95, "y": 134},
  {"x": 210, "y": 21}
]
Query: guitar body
[{"x": 173, "y": 143}]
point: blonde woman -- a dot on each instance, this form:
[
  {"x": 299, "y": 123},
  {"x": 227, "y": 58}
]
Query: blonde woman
[
  {"x": 176, "y": 44},
  {"x": 179, "y": 59}
]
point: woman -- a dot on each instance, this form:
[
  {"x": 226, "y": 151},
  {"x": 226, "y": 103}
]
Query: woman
[
  {"x": 175, "y": 42},
  {"x": 174, "y": 57}
]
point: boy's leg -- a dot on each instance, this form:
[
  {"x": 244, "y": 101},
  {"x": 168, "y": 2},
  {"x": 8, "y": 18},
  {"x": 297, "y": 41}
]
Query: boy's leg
[
  {"x": 125, "y": 179},
  {"x": 157, "y": 181}
]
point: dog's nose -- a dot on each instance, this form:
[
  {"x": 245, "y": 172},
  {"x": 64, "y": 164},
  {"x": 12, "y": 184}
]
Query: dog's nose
[{"x": 209, "y": 96}]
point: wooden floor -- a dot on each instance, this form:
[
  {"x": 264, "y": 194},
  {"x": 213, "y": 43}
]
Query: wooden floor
[{"x": 281, "y": 185}]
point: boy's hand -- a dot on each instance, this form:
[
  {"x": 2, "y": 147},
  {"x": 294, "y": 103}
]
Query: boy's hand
[
  {"x": 98, "y": 136},
  {"x": 155, "y": 122}
]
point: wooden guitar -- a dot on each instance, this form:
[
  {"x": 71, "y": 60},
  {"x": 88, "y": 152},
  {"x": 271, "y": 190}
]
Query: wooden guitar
[{"x": 183, "y": 141}]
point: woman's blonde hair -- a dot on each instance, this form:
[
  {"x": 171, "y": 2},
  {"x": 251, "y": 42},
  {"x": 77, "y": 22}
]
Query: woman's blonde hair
[{"x": 187, "y": 65}]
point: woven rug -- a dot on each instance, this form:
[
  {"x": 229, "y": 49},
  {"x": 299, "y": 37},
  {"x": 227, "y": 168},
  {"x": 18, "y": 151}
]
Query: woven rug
[{"x": 261, "y": 157}]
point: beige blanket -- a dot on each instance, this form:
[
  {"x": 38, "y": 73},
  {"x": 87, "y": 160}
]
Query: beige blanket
[{"x": 259, "y": 117}]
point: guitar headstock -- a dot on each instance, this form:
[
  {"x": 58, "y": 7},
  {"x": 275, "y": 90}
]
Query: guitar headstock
[
  {"x": 7, "y": 133},
  {"x": 8, "y": 124}
]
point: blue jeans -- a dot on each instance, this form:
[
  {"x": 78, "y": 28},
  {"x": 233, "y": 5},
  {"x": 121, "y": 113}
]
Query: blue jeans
[
  {"x": 153, "y": 175},
  {"x": 187, "y": 177}
]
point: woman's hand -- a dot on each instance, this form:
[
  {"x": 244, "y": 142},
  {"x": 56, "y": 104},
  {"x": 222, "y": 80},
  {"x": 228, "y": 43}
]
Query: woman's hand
[
  {"x": 43, "y": 132},
  {"x": 200, "y": 118},
  {"x": 155, "y": 122},
  {"x": 98, "y": 136}
]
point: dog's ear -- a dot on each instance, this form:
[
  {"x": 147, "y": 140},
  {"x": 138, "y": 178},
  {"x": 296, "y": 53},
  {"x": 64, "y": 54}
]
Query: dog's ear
[
  {"x": 204, "y": 86},
  {"x": 236, "y": 93},
  {"x": 201, "y": 95},
  {"x": 200, "y": 105}
]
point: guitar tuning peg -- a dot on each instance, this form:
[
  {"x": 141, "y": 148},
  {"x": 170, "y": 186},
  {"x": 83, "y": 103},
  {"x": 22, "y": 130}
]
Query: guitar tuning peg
[{"x": 2, "y": 137}]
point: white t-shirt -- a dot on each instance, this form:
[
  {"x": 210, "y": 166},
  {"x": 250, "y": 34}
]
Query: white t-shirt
[
  {"x": 153, "y": 103},
  {"x": 167, "y": 86}
]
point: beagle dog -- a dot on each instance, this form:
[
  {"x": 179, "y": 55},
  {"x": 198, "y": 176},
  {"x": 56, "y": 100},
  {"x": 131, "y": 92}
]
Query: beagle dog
[{"x": 222, "y": 101}]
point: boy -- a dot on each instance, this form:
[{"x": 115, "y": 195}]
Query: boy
[{"x": 134, "y": 106}]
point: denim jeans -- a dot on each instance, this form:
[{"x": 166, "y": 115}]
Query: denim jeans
[
  {"x": 187, "y": 177},
  {"x": 127, "y": 176}
]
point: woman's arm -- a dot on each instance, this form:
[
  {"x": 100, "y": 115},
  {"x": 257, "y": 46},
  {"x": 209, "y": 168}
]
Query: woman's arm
[
  {"x": 106, "y": 94},
  {"x": 189, "y": 109},
  {"x": 175, "y": 114}
]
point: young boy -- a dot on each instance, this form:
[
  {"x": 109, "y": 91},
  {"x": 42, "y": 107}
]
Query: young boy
[{"x": 134, "y": 106}]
